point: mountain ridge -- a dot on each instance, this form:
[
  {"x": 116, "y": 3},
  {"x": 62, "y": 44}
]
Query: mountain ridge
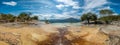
[{"x": 68, "y": 20}]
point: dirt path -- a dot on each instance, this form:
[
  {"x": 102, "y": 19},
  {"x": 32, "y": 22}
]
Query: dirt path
[{"x": 62, "y": 40}]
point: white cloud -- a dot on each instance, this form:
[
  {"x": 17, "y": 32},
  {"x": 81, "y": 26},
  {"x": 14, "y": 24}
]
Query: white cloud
[
  {"x": 68, "y": 2},
  {"x": 76, "y": 7},
  {"x": 64, "y": 4},
  {"x": 108, "y": 7},
  {"x": 55, "y": 16},
  {"x": 92, "y": 4},
  {"x": 60, "y": 6},
  {"x": 72, "y": 3},
  {"x": 88, "y": 6},
  {"x": 11, "y": 3}
]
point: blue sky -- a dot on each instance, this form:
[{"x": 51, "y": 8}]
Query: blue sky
[{"x": 58, "y": 9}]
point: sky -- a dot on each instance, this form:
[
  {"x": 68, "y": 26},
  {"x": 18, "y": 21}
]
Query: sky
[{"x": 58, "y": 9}]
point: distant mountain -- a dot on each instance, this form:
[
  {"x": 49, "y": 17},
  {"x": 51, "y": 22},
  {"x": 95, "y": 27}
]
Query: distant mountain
[{"x": 68, "y": 20}]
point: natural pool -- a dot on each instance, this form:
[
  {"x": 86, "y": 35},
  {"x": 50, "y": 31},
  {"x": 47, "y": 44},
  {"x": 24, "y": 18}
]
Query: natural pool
[{"x": 67, "y": 24}]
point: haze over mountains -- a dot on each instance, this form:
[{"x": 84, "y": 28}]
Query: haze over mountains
[{"x": 68, "y": 20}]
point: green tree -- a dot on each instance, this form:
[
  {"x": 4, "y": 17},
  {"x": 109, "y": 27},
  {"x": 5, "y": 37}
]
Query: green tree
[
  {"x": 89, "y": 16},
  {"x": 106, "y": 12},
  {"x": 7, "y": 17},
  {"x": 110, "y": 18},
  {"x": 85, "y": 17},
  {"x": 35, "y": 18},
  {"x": 10, "y": 18},
  {"x": 24, "y": 16},
  {"x": 47, "y": 21},
  {"x": 3, "y": 16}
]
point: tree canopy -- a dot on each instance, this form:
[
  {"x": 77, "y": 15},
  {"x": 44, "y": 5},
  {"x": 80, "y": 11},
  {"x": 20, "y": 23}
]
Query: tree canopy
[
  {"x": 106, "y": 16},
  {"x": 89, "y": 16},
  {"x": 106, "y": 12},
  {"x": 22, "y": 17}
]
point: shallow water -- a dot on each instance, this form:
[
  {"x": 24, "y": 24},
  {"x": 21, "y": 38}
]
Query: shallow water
[{"x": 67, "y": 24}]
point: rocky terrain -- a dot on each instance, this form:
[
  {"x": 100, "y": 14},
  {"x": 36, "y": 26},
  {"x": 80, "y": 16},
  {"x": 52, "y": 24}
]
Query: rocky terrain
[
  {"x": 55, "y": 35},
  {"x": 116, "y": 23},
  {"x": 113, "y": 33}
]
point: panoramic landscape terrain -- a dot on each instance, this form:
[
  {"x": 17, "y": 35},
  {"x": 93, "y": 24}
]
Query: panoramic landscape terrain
[{"x": 59, "y": 22}]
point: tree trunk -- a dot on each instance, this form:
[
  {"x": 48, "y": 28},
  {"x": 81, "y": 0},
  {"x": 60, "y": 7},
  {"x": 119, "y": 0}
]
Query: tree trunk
[{"x": 88, "y": 21}]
